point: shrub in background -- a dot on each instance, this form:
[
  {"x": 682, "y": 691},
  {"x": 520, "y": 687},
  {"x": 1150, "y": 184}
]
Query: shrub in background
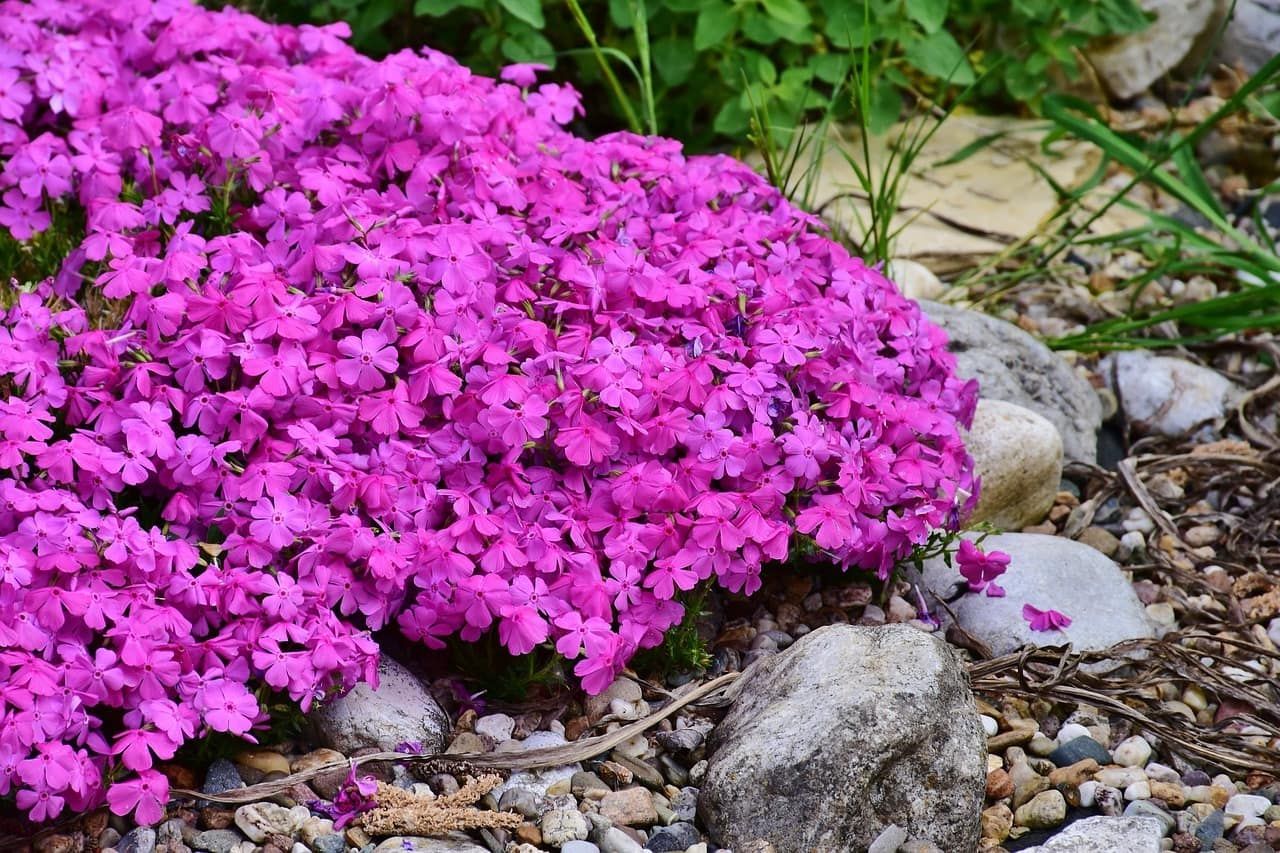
[
  {"x": 349, "y": 344},
  {"x": 715, "y": 61}
]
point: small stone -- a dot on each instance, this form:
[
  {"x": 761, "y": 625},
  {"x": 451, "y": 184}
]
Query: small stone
[
  {"x": 221, "y": 777},
  {"x": 1109, "y": 800},
  {"x": 1086, "y": 793},
  {"x": 685, "y": 804},
  {"x": 1144, "y": 808},
  {"x": 215, "y": 840},
  {"x": 562, "y": 825},
  {"x": 528, "y": 833},
  {"x": 401, "y": 710},
  {"x": 1170, "y": 792},
  {"x": 989, "y": 725},
  {"x": 1120, "y": 777},
  {"x": 216, "y": 817},
  {"x": 1100, "y": 539},
  {"x": 681, "y": 740},
  {"x": 331, "y": 843},
  {"x": 1074, "y": 774},
  {"x": 454, "y": 842},
  {"x": 674, "y": 838},
  {"x": 622, "y": 689},
  {"x": 587, "y": 784},
  {"x": 499, "y": 727},
  {"x": 1069, "y": 731},
  {"x": 1169, "y": 395},
  {"x": 1045, "y": 811},
  {"x": 141, "y": 839},
  {"x": 1132, "y": 752},
  {"x": 258, "y": 820},
  {"x": 1041, "y": 745},
  {"x": 1018, "y": 455},
  {"x": 524, "y": 801},
  {"x": 615, "y": 774},
  {"x": 999, "y": 785},
  {"x": 1140, "y": 790},
  {"x": 616, "y": 840},
  {"x": 263, "y": 760},
  {"x": 914, "y": 279},
  {"x": 1247, "y": 805},
  {"x": 579, "y": 847},
  {"x": 326, "y": 784},
  {"x": 1107, "y": 835},
  {"x": 997, "y": 822},
  {"x": 59, "y": 843},
  {"x": 466, "y": 743},
  {"x": 1157, "y": 772},
  {"x": 629, "y": 807}
]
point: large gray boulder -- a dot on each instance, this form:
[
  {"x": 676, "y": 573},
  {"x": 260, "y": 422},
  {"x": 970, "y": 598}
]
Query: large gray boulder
[
  {"x": 1048, "y": 572},
  {"x": 399, "y": 711},
  {"x": 1012, "y": 366},
  {"x": 848, "y": 732},
  {"x": 1099, "y": 834}
]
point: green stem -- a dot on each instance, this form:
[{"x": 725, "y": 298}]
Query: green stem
[{"x": 633, "y": 121}]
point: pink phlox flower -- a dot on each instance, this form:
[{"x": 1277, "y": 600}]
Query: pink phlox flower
[
  {"x": 1045, "y": 620},
  {"x": 980, "y": 570}
]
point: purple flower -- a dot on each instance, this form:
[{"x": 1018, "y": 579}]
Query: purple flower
[
  {"x": 980, "y": 569},
  {"x": 1045, "y": 620}
]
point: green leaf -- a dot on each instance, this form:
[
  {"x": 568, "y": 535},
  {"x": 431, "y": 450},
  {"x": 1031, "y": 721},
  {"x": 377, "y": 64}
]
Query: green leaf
[
  {"x": 829, "y": 67},
  {"x": 529, "y": 11},
  {"x": 759, "y": 28},
  {"x": 732, "y": 118},
  {"x": 528, "y": 45},
  {"x": 884, "y": 106},
  {"x": 940, "y": 56},
  {"x": 716, "y": 22},
  {"x": 674, "y": 59},
  {"x": 438, "y": 8},
  {"x": 929, "y": 14},
  {"x": 792, "y": 14}
]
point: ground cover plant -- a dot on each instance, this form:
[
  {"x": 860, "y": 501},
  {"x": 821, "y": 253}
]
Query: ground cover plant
[
  {"x": 697, "y": 69},
  {"x": 305, "y": 345}
]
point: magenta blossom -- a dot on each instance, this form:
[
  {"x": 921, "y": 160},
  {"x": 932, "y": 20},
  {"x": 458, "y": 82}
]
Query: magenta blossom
[
  {"x": 980, "y": 569},
  {"x": 1045, "y": 620}
]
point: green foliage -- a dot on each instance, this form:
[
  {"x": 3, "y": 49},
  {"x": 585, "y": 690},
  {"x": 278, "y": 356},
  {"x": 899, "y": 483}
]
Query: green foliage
[
  {"x": 683, "y": 647},
  {"x": 696, "y": 69}
]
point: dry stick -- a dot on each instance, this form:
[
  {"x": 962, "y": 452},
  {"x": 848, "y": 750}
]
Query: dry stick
[{"x": 551, "y": 756}]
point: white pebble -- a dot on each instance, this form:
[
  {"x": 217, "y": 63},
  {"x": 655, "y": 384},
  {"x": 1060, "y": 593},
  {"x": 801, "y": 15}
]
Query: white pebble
[
  {"x": 1138, "y": 521},
  {"x": 1087, "y": 790},
  {"x": 1157, "y": 772},
  {"x": 1071, "y": 731},
  {"x": 1247, "y": 805},
  {"x": 497, "y": 726},
  {"x": 1273, "y": 630},
  {"x": 1120, "y": 777},
  {"x": 1223, "y": 781},
  {"x": 989, "y": 725},
  {"x": 1140, "y": 790},
  {"x": 1132, "y": 752},
  {"x": 1200, "y": 794}
]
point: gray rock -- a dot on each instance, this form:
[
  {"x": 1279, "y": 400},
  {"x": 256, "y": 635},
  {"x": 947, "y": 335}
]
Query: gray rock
[
  {"x": 1131, "y": 63},
  {"x": 1079, "y": 749},
  {"x": 1211, "y": 828},
  {"x": 579, "y": 847},
  {"x": 1013, "y": 366},
  {"x": 258, "y": 820},
  {"x": 329, "y": 843},
  {"x": 685, "y": 804},
  {"x": 400, "y": 710},
  {"x": 1017, "y": 457},
  {"x": 141, "y": 839},
  {"x": 1252, "y": 36},
  {"x": 524, "y": 801},
  {"x": 889, "y": 840},
  {"x": 914, "y": 279},
  {"x": 454, "y": 842},
  {"x": 1047, "y": 572},
  {"x": 1167, "y": 395},
  {"x": 1147, "y": 810},
  {"x": 216, "y": 840},
  {"x": 562, "y": 825},
  {"x": 1099, "y": 834},
  {"x": 673, "y": 839},
  {"x": 539, "y": 780},
  {"x": 222, "y": 776},
  {"x": 850, "y": 730}
]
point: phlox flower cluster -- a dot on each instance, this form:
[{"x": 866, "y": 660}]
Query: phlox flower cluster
[{"x": 350, "y": 345}]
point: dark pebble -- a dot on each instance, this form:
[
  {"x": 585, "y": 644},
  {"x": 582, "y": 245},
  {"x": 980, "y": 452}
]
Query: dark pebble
[
  {"x": 1195, "y": 778},
  {"x": 673, "y": 839},
  {"x": 1078, "y": 750},
  {"x": 222, "y": 777},
  {"x": 331, "y": 843},
  {"x": 216, "y": 840}
]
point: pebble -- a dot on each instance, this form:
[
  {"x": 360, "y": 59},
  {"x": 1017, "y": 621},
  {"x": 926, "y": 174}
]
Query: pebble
[
  {"x": 1086, "y": 793},
  {"x": 263, "y": 760},
  {"x": 258, "y": 820},
  {"x": 1170, "y": 792},
  {"x": 528, "y": 803},
  {"x": 1070, "y": 731},
  {"x": 1247, "y": 805},
  {"x": 997, "y": 822},
  {"x": 1140, "y": 790},
  {"x": 1133, "y": 751},
  {"x": 1120, "y": 777},
  {"x": 141, "y": 839},
  {"x": 500, "y": 727},
  {"x": 576, "y": 846},
  {"x": 629, "y": 807},
  {"x": 674, "y": 838},
  {"x": 331, "y": 843},
  {"x": 1143, "y": 808},
  {"x": 1211, "y": 829},
  {"x": 1157, "y": 772},
  {"x": 221, "y": 777},
  {"x": 1045, "y": 811},
  {"x": 1077, "y": 749},
  {"x": 1109, "y": 800},
  {"x": 562, "y": 825},
  {"x": 615, "y": 840},
  {"x": 1132, "y": 545},
  {"x": 989, "y": 725},
  {"x": 1100, "y": 539},
  {"x": 215, "y": 840},
  {"x": 587, "y": 784}
]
